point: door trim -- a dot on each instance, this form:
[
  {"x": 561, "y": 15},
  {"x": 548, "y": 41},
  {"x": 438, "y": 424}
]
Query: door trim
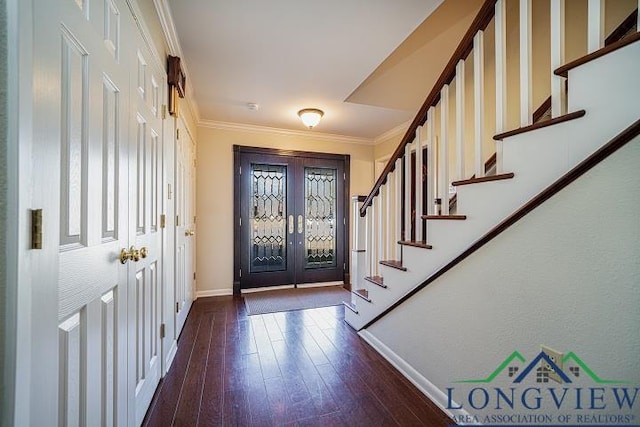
[{"x": 242, "y": 149}]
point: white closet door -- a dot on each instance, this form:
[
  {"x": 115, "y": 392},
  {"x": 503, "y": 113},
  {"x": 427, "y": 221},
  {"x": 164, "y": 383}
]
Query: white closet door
[
  {"x": 147, "y": 84},
  {"x": 80, "y": 167},
  {"x": 185, "y": 233}
]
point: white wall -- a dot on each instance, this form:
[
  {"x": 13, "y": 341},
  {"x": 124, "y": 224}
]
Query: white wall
[
  {"x": 214, "y": 196},
  {"x": 567, "y": 275}
]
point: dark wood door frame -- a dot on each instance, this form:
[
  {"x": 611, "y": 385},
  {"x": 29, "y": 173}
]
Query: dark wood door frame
[{"x": 238, "y": 150}]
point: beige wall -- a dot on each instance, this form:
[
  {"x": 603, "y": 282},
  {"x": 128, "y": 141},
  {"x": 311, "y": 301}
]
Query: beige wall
[{"x": 214, "y": 206}]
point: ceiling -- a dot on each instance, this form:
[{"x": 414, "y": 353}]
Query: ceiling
[{"x": 346, "y": 57}]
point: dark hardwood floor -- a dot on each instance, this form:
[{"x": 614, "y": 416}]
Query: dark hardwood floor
[{"x": 295, "y": 368}]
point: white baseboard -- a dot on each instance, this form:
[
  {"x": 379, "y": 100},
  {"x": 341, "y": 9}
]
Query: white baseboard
[
  {"x": 171, "y": 356},
  {"x": 214, "y": 293},
  {"x": 436, "y": 395}
]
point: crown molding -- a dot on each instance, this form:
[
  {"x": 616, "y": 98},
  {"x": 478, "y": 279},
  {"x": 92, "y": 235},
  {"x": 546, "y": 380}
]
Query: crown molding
[
  {"x": 398, "y": 130},
  {"x": 173, "y": 44},
  {"x": 212, "y": 124}
]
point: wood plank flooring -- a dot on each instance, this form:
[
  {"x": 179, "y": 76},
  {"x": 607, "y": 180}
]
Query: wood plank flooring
[{"x": 297, "y": 368}]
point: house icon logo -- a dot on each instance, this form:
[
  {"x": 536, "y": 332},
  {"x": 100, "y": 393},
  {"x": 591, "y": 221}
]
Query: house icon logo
[{"x": 545, "y": 367}]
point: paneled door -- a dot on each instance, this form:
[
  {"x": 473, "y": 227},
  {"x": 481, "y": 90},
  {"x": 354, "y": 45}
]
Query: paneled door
[
  {"x": 97, "y": 173},
  {"x": 147, "y": 85},
  {"x": 81, "y": 159},
  {"x": 185, "y": 226},
  {"x": 291, "y": 220}
]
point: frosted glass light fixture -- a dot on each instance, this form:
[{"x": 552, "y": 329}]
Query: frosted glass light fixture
[{"x": 310, "y": 116}]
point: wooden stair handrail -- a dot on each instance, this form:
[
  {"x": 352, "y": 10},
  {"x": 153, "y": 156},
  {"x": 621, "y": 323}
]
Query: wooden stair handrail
[
  {"x": 480, "y": 22},
  {"x": 583, "y": 167}
]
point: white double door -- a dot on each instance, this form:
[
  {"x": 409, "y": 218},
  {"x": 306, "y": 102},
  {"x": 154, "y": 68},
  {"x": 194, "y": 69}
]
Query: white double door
[{"x": 98, "y": 177}]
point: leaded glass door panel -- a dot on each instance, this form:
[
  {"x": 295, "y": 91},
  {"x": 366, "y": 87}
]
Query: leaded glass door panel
[{"x": 291, "y": 225}]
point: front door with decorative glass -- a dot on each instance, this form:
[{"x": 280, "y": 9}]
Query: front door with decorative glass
[{"x": 290, "y": 215}]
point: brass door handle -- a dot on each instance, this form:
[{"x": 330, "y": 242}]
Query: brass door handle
[
  {"x": 144, "y": 252},
  {"x": 132, "y": 254},
  {"x": 188, "y": 233},
  {"x": 290, "y": 224},
  {"x": 124, "y": 256}
]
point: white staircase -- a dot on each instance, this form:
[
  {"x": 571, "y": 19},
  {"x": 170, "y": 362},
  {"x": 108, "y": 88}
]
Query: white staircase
[{"x": 601, "y": 101}]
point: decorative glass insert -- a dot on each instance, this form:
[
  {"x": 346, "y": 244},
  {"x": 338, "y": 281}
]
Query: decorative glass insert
[
  {"x": 267, "y": 214},
  {"x": 320, "y": 211}
]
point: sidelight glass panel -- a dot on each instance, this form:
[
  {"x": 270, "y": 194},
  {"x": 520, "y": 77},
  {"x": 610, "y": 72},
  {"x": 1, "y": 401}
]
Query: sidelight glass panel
[
  {"x": 267, "y": 214},
  {"x": 320, "y": 212}
]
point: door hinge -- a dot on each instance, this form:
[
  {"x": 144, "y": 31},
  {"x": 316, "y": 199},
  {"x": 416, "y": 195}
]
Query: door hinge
[
  {"x": 344, "y": 266},
  {"x": 177, "y": 307},
  {"x": 177, "y": 220},
  {"x": 177, "y": 133},
  {"x": 194, "y": 275},
  {"x": 240, "y": 221},
  {"x": 240, "y": 170},
  {"x": 240, "y": 272},
  {"x": 163, "y": 221},
  {"x": 164, "y": 111},
  {"x": 162, "y": 331},
  {"x": 344, "y": 221},
  {"x": 194, "y": 219},
  {"x": 36, "y": 229},
  {"x": 344, "y": 176},
  {"x": 169, "y": 193}
]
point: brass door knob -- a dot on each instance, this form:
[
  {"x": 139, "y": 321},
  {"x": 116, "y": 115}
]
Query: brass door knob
[
  {"x": 124, "y": 256},
  {"x": 187, "y": 233},
  {"x": 134, "y": 254},
  {"x": 144, "y": 252},
  {"x": 191, "y": 232}
]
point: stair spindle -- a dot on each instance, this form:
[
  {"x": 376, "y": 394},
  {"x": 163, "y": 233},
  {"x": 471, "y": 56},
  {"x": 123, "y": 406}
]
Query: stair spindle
[
  {"x": 431, "y": 161},
  {"x": 418, "y": 184},
  {"x": 478, "y": 101},
  {"x": 526, "y": 104},
  {"x": 388, "y": 226},
  {"x": 407, "y": 192},
  {"x": 398, "y": 208},
  {"x": 558, "y": 93},
  {"x": 460, "y": 99},
  {"x": 500, "y": 26},
  {"x": 379, "y": 229},
  {"x": 595, "y": 26},
  {"x": 443, "y": 166}
]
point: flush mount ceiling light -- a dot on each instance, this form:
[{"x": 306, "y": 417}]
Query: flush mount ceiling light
[{"x": 310, "y": 116}]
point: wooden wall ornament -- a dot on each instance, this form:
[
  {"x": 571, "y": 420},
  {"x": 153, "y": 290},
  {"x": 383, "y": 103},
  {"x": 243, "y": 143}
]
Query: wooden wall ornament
[{"x": 177, "y": 83}]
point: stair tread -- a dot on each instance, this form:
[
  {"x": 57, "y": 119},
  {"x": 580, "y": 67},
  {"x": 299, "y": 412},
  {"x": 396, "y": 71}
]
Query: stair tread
[
  {"x": 451, "y": 217},
  {"x": 415, "y": 244},
  {"x": 564, "y": 70},
  {"x": 362, "y": 293},
  {"x": 350, "y": 306},
  {"x": 484, "y": 179},
  {"x": 378, "y": 280},
  {"x": 542, "y": 124},
  {"x": 394, "y": 264}
]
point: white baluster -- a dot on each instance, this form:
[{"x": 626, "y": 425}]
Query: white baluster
[
  {"x": 407, "y": 192},
  {"x": 501, "y": 76},
  {"x": 388, "y": 226},
  {"x": 478, "y": 101},
  {"x": 431, "y": 162},
  {"x": 558, "y": 94},
  {"x": 371, "y": 247},
  {"x": 638, "y": 23},
  {"x": 443, "y": 167},
  {"x": 418, "y": 184},
  {"x": 595, "y": 27},
  {"x": 526, "y": 102},
  {"x": 380, "y": 230},
  {"x": 460, "y": 99},
  {"x": 358, "y": 257},
  {"x": 398, "y": 208}
]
